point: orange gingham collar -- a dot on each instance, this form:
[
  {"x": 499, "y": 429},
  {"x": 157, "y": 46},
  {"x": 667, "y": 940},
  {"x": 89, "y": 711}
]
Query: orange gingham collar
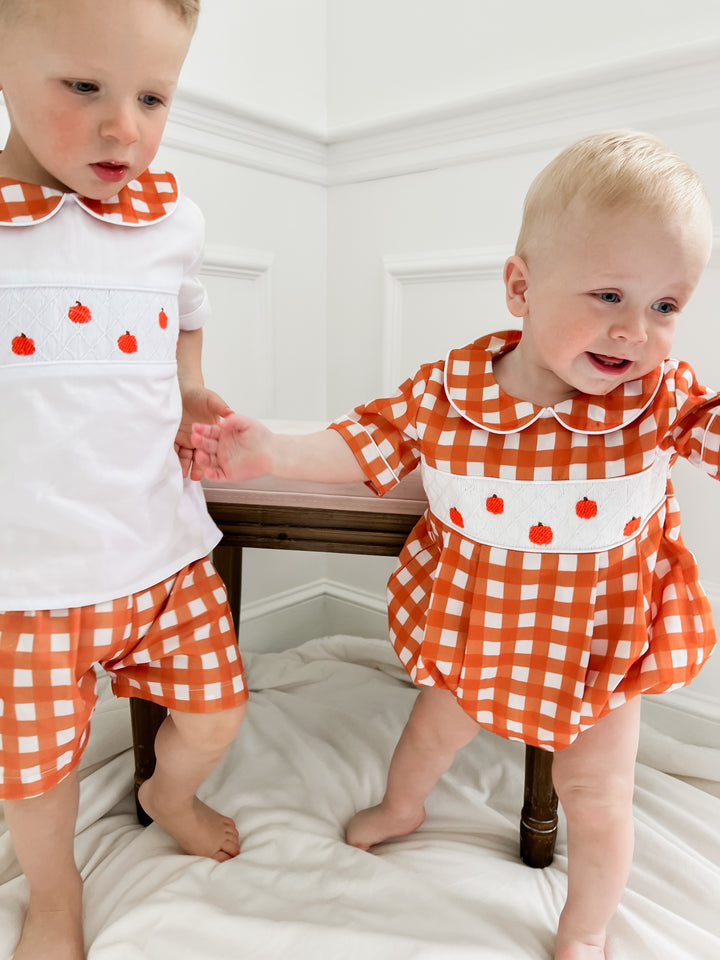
[
  {"x": 147, "y": 199},
  {"x": 474, "y": 392}
]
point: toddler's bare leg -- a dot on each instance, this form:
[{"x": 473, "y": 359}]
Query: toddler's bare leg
[
  {"x": 437, "y": 728},
  {"x": 594, "y": 780},
  {"x": 187, "y": 747},
  {"x": 43, "y": 833}
]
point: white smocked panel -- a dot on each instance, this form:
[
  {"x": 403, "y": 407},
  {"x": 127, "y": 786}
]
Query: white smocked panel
[{"x": 570, "y": 516}]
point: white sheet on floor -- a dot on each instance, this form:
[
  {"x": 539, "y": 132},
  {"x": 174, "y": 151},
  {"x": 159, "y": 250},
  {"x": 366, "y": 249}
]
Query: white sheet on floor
[{"x": 321, "y": 725}]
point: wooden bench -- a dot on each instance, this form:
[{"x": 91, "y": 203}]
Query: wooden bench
[{"x": 339, "y": 518}]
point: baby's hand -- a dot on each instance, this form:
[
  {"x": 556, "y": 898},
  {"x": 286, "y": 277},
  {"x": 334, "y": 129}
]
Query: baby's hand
[
  {"x": 198, "y": 404},
  {"x": 236, "y": 448}
]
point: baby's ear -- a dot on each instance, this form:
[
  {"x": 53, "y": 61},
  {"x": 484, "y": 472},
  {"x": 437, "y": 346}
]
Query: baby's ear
[{"x": 515, "y": 277}]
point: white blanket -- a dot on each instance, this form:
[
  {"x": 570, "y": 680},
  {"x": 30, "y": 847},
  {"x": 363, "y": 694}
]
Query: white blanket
[{"x": 321, "y": 724}]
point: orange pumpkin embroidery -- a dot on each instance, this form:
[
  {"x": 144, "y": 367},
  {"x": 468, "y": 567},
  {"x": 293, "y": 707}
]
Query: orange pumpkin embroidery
[
  {"x": 127, "y": 343},
  {"x": 632, "y": 526},
  {"x": 586, "y": 509},
  {"x": 80, "y": 313},
  {"x": 23, "y": 346},
  {"x": 162, "y": 320},
  {"x": 494, "y": 504},
  {"x": 456, "y": 517},
  {"x": 541, "y": 534}
]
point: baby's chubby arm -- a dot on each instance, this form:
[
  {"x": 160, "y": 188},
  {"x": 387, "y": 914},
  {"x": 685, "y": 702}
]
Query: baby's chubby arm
[{"x": 239, "y": 448}]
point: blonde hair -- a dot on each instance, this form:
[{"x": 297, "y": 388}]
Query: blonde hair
[
  {"x": 187, "y": 10},
  {"x": 617, "y": 168}
]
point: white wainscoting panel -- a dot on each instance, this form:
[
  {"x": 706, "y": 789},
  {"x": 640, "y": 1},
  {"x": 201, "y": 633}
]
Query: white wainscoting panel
[
  {"x": 238, "y": 349},
  {"x": 434, "y": 302}
]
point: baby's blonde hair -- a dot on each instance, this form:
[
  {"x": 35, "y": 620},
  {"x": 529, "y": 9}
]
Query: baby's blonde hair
[
  {"x": 610, "y": 170},
  {"x": 187, "y": 10}
]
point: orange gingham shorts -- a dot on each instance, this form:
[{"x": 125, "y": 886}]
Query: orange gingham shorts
[{"x": 173, "y": 644}]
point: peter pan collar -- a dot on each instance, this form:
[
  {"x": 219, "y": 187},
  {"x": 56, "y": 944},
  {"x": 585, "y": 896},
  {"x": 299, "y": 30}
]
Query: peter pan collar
[
  {"x": 145, "y": 200},
  {"x": 474, "y": 392}
]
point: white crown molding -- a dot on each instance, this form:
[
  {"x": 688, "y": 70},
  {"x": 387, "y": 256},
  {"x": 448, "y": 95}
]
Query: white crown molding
[
  {"x": 675, "y": 85},
  {"x": 672, "y": 86},
  {"x": 217, "y": 130},
  {"x": 254, "y": 267},
  {"x": 427, "y": 268}
]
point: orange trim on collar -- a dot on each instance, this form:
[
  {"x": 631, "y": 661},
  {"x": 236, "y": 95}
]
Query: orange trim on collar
[
  {"x": 147, "y": 199},
  {"x": 476, "y": 395}
]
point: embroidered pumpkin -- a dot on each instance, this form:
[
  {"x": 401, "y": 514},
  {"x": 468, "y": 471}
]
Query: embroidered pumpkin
[
  {"x": 586, "y": 509},
  {"x": 631, "y": 527},
  {"x": 162, "y": 320},
  {"x": 456, "y": 517},
  {"x": 80, "y": 313},
  {"x": 23, "y": 346},
  {"x": 127, "y": 342},
  {"x": 495, "y": 504},
  {"x": 541, "y": 534}
]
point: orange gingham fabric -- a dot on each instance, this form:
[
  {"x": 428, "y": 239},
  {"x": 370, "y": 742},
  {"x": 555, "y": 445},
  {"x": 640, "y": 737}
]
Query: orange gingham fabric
[
  {"x": 173, "y": 644},
  {"x": 537, "y": 646},
  {"x": 147, "y": 199}
]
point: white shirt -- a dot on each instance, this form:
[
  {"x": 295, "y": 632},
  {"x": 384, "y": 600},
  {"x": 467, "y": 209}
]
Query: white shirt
[{"x": 93, "y": 505}]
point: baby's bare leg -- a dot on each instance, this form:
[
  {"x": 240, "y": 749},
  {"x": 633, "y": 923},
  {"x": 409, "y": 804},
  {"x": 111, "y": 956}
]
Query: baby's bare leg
[
  {"x": 594, "y": 780},
  {"x": 188, "y": 746},
  {"x": 43, "y": 833},
  {"x": 437, "y": 728}
]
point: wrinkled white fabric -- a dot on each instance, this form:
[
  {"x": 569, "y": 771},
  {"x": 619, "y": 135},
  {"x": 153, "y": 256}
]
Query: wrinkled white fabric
[{"x": 321, "y": 725}]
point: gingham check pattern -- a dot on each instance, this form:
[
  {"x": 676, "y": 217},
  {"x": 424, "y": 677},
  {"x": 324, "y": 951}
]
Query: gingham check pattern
[
  {"x": 537, "y": 646},
  {"x": 173, "y": 644},
  {"x": 147, "y": 199}
]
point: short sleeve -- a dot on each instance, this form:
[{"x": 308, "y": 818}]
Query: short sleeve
[
  {"x": 193, "y": 302},
  {"x": 383, "y": 433},
  {"x": 695, "y": 430}
]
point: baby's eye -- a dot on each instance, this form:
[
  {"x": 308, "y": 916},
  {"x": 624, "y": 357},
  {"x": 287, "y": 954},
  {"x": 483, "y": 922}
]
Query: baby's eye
[
  {"x": 150, "y": 100},
  {"x": 663, "y": 306},
  {"x": 608, "y": 296},
  {"x": 82, "y": 87}
]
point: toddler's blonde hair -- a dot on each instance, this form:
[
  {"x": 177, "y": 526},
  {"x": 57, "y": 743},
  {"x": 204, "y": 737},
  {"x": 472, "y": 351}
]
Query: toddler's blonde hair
[
  {"x": 187, "y": 10},
  {"x": 605, "y": 171}
]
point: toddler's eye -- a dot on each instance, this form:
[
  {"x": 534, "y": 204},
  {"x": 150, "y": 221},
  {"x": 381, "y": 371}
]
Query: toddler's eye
[
  {"x": 607, "y": 296},
  {"x": 664, "y": 307},
  {"x": 82, "y": 86},
  {"x": 150, "y": 100}
]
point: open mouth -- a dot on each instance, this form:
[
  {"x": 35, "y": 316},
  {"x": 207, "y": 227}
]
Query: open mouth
[
  {"x": 609, "y": 364},
  {"x": 110, "y": 172}
]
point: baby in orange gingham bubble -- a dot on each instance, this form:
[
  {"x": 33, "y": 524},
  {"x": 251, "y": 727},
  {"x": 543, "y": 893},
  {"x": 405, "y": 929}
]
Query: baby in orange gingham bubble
[
  {"x": 104, "y": 531},
  {"x": 547, "y": 585}
]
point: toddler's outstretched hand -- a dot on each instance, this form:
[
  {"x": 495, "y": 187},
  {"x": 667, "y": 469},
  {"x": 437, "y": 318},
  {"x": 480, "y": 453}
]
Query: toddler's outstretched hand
[{"x": 236, "y": 448}]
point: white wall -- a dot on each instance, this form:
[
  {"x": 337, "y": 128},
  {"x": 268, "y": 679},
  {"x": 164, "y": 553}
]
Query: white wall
[
  {"x": 391, "y": 57},
  {"x": 268, "y": 56}
]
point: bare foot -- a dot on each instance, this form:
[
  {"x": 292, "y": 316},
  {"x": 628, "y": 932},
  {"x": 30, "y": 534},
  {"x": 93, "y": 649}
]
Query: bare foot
[
  {"x": 53, "y": 930},
  {"x": 198, "y": 829},
  {"x": 569, "y": 949},
  {"x": 376, "y": 824}
]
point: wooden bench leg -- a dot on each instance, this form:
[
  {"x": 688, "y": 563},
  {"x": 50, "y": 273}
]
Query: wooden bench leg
[
  {"x": 145, "y": 718},
  {"x": 538, "y": 822}
]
